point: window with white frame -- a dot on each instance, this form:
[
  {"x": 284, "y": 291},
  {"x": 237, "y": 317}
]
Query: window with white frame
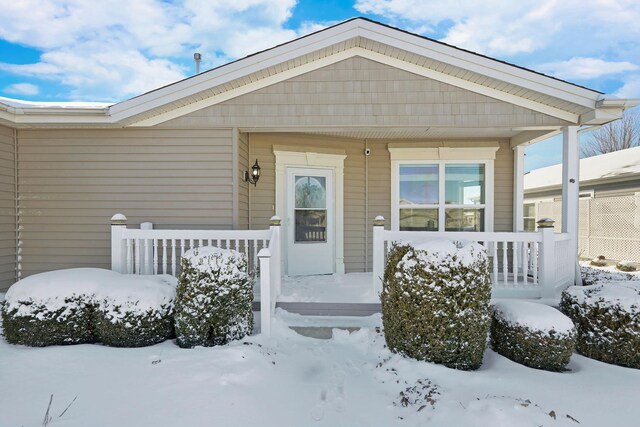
[{"x": 442, "y": 195}]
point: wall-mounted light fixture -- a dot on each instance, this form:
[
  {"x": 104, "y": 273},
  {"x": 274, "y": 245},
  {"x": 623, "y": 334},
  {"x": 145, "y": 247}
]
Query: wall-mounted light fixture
[{"x": 254, "y": 176}]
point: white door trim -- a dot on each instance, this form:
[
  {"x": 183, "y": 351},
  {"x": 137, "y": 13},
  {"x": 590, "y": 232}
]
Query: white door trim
[{"x": 285, "y": 159}]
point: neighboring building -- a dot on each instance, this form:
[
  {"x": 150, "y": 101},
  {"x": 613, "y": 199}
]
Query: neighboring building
[
  {"x": 609, "y": 222},
  {"x": 363, "y": 118}
]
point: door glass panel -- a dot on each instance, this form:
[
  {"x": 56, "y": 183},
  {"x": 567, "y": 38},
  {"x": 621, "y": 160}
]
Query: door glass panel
[
  {"x": 464, "y": 184},
  {"x": 311, "y": 192},
  {"x": 464, "y": 219},
  {"x": 418, "y": 184},
  {"x": 310, "y": 209},
  {"x": 418, "y": 219},
  {"x": 311, "y": 225}
]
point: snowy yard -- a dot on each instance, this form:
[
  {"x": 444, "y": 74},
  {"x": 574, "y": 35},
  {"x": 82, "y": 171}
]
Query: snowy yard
[{"x": 291, "y": 380}]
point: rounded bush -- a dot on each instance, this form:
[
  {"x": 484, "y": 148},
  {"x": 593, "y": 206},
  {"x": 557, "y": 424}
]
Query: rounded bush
[
  {"x": 607, "y": 319},
  {"x": 137, "y": 312},
  {"x": 87, "y": 305},
  {"x": 213, "y": 299},
  {"x": 435, "y": 303},
  {"x": 532, "y": 334},
  {"x": 626, "y": 266},
  {"x": 63, "y": 321}
]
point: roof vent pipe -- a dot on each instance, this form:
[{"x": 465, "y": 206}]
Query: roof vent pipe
[{"x": 197, "y": 57}]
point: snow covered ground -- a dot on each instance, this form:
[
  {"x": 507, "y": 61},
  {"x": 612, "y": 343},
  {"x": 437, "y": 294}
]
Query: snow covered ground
[{"x": 290, "y": 380}]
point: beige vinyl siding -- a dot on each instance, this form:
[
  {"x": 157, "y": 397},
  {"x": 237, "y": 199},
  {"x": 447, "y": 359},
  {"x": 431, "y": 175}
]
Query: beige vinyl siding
[
  {"x": 7, "y": 209},
  {"x": 361, "y": 92},
  {"x": 364, "y": 199},
  {"x": 73, "y": 181},
  {"x": 243, "y": 187},
  {"x": 379, "y": 192}
]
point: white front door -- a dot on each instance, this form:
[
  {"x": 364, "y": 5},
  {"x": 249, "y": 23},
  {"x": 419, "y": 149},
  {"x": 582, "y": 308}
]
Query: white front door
[{"x": 310, "y": 221}]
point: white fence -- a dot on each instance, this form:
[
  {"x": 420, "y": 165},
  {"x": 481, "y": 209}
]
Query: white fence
[
  {"x": 525, "y": 264},
  {"x": 149, "y": 251},
  {"x": 609, "y": 226}
]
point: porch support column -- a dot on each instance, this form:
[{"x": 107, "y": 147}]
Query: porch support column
[
  {"x": 570, "y": 186},
  {"x": 518, "y": 188}
]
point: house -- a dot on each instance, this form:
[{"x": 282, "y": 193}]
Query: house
[
  {"x": 348, "y": 123},
  {"x": 609, "y": 212}
]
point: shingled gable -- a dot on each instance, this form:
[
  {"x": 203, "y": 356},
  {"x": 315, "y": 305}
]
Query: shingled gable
[{"x": 357, "y": 37}]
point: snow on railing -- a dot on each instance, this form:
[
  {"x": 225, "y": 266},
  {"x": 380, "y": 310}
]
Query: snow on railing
[
  {"x": 522, "y": 264},
  {"x": 149, "y": 251}
]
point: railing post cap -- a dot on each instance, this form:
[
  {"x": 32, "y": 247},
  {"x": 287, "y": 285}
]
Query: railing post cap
[
  {"x": 275, "y": 221},
  {"x": 264, "y": 253},
  {"x": 118, "y": 219},
  {"x": 378, "y": 221},
  {"x": 545, "y": 223}
]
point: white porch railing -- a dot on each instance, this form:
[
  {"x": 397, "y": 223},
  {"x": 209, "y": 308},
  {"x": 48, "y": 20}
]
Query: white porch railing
[
  {"x": 149, "y": 251},
  {"x": 523, "y": 264}
]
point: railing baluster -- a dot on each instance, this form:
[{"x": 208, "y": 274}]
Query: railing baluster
[
  {"x": 246, "y": 248},
  {"x": 227, "y": 244},
  {"x": 494, "y": 256},
  {"x": 190, "y": 243},
  {"x": 514, "y": 262},
  {"x": 173, "y": 257},
  {"x": 129, "y": 256},
  {"x": 255, "y": 253},
  {"x": 164, "y": 256},
  {"x": 505, "y": 263},
  {"x": 525, "y": 262},
  {"x": 137, "y": 257},
  {"x": 534, "y": 260},
  {"x": 210, "y": 242},
  {"x": 145, "y": 256},
  {"x": 155, "y": 256}
]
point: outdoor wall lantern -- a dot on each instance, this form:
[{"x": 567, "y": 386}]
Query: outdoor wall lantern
[{"x": 254, "y": 176}]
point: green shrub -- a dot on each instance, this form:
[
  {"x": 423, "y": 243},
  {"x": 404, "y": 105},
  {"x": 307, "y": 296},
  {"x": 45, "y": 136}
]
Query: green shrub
[
  {"x": 435, "y": 303},
  {"x": 607, "y": 319},
  {"x": 213, "y": 299},
  {"x": 38, "y": 324},
  {"x": 136, "y": 311},
  {"x": 532, "y": 334},
  {"x": 599, "y": 261},
  {"x": 626, "y": 266},
  {"x": 89, "y": 305}
]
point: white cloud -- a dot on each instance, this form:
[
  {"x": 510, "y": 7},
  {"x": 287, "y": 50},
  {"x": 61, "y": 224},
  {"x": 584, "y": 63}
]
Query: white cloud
[
  {"x": 630, "y": 88},
  {"x": 499, "y": 27},
  {"x": 586, "y": 68},
  {"x": 22, "y": 89},
  {"x": 111, "y": 50}
]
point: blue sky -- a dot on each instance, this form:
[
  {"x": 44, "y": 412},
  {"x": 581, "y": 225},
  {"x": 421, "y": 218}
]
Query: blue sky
[{"x": 83, "y": 50}]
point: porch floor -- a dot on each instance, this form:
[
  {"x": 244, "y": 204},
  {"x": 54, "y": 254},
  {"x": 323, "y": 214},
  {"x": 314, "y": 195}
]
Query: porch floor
[{"x": 326, "y": 288}]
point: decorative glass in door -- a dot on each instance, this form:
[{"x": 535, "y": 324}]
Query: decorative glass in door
[{"x": 310, "y": 209}]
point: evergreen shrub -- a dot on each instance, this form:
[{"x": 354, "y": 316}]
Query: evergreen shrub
[
  {"x": 435, "y": 302},
  {"x": 214, "y": 297}
]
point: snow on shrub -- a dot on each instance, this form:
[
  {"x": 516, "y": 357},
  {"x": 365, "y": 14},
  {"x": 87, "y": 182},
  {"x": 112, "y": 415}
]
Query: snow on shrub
[
  {"x": 214, "y": 297},
  {"x": 435, "y": 302},
  {"x": 532, "y": 334},
  {"x": 607, "y": 319},
  {"x": 599, "y": 261},
  {"x": 136, "y": 311},
  {"x": 626, "y": 266},
  {"x": 593, "y": 276},
  {"x": 74, "y": 306}
]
